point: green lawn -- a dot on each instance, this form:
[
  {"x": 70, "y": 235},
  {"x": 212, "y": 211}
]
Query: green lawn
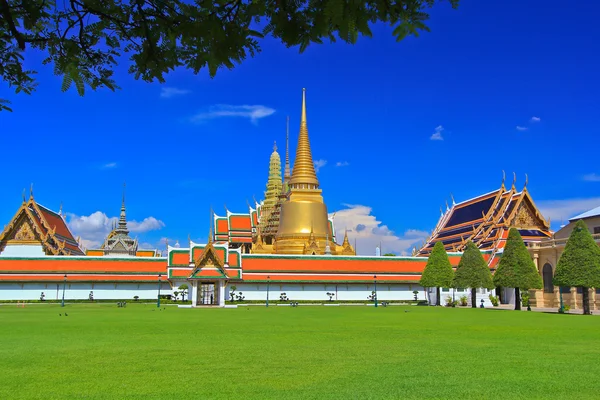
[{"x": 103, "y": 352}]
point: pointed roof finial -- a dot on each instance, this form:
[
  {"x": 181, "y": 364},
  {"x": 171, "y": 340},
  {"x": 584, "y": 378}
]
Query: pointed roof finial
[
  {"x": 210, "y": 231},
  {"x": 503, "y": 177},
  {"x": 304, "y": 166},
  {"x": 60, "y": 210},
  {"x": 526, "y": 181},
  {"x": 452, "y": 197},
  {"x": 514, "y": 179},
  {"x": 123, "y": 217},
  {"x": 24, "y": 198},
  {"x": 287, "y": 173},
  {"x": 275, "y": 145},
  {"x": 31, "y": 191},
  {"x": 447, "y": 208}
]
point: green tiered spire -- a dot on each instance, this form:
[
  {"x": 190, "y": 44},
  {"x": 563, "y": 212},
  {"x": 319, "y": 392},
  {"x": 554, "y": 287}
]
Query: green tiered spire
[{"x": 274, "y": 186}]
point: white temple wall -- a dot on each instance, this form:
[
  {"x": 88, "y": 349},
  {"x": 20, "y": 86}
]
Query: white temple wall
[
  {"x": 482, "y": 294},
  {"x": 318, "y": 291},
  {"x": 81, "y": 291}
]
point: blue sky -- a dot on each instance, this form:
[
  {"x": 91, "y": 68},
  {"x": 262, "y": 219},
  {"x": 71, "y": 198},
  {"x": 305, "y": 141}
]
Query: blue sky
[{"x": 506, "y": 85}]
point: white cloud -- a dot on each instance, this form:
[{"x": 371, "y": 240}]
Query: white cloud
[
  {"x": 253, "y": 113},
  {"x": 369, "y": 232},
  {"x": 168, "y": 92},
  {"x": 522, "y": 128},
  {"x": 94, "y": 228},
  {"x": 147, "y": 224},
  {"x": 535, "y": 119},
  {"x": 319, "y": 164},
  {"x": 342, "y": 164},
  {"x": 593, "y": 177},
  {"x": 109, "y": 165},
  {"x": 562, "y": 210},
  {"x": 437, "y": 135}
]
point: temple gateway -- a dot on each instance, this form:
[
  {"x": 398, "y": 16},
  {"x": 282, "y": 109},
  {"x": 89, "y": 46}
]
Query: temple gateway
[{"x": 285, "y": 245}]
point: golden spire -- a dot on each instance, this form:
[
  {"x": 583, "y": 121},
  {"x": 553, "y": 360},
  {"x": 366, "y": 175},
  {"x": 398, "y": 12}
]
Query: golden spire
[
  {"x": 287, "y": 173},
  {"x": 346, "y": 241},
  {"x": 304, "y": 167}
]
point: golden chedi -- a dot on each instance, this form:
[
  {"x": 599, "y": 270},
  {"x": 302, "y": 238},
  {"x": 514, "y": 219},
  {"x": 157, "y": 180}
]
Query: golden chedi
[{"x": 303, "y": 226}]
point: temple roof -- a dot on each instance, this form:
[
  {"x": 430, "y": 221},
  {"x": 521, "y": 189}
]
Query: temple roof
[
  {"x": 34, "y": 223},
  {"x": 486, "y": 219},
  {"x": 594, "y": 212}
]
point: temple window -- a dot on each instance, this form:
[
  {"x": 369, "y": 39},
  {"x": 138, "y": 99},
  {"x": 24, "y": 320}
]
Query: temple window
[{"x": 596, "y": 230}]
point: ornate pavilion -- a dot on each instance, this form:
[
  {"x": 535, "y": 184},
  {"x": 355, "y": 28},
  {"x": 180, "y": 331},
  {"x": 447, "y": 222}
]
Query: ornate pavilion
[{"x": 286, "y": 243}]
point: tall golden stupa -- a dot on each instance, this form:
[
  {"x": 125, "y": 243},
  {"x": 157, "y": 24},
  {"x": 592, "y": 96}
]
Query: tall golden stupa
[
  {"x": 292, "y": 219},
  {"x": 303, "y": 220}
]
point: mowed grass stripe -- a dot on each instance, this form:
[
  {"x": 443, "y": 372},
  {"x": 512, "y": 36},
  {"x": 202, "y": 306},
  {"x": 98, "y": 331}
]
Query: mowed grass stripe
[{"x": 103, "y": 352}]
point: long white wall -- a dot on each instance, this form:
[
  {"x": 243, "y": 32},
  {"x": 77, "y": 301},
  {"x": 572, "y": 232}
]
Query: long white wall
[
  {"x": 78, "y": 291},
  {"x": 318, "y": 291},
  {"x": 251, "y": 291}
]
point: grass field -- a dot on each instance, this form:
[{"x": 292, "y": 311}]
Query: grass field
[{"x": 103, "y": 352}]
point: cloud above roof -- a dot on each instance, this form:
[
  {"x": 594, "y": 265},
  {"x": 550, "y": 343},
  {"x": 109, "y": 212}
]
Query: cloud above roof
[
  {"x": 94, "y": 228},
  {"x": 168, "y": 92},
  {"x": 437, "y": 133},
  {"x": 369, "y": 232},
  {"x": 251, "y": 112},
  {"x": 563, "y": 210}
]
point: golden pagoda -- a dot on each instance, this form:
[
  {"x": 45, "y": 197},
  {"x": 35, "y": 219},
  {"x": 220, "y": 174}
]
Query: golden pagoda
[
  {"x": 292, "y": 219},
  {"x": 304, "y": 225}
]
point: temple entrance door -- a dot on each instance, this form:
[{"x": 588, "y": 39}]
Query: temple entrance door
[
  {"x": 207, "y": 294},
  {"x": 547, "y": 276}
]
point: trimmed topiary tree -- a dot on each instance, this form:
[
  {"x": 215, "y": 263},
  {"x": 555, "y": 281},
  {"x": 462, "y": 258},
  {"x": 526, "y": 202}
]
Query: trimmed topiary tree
[
  {"x": 579, "y": 264},
  {"x": 473, "y": 272},
  {"x": 438, "y": 271},
  {"x": 183, "y": 289},
  {"x": 516, "y": 268}
]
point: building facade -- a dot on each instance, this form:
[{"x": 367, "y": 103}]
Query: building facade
[{"x": 284, "y": 247}]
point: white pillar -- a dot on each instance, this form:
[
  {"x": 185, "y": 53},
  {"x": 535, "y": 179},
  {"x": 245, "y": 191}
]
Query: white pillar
[
  {"x": 221, "y": 293},
  {"x": 194, "y": 293}
]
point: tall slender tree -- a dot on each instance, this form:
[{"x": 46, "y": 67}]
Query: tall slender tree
[
  {"x": 473, "y": 272},
  {"x": 438, "y": 271},
  {"x": 516, "y": 268},
  {"x": 579, "y": 264}
]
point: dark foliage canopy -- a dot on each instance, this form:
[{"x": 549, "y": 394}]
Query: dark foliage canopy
[
  {"x": 579, "y": 264},
  {"x": 472, "y": 270},
  {"x": 85, "y": 39},
  {"x": 438, "y": 271},
  {"x": 516, "y": 268}
]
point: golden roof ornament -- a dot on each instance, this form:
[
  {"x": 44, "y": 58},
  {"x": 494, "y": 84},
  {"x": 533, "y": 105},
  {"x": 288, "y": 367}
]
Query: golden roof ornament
[
  {"x": 31, "y": 191},
  {"x": 526, "y": 181},
  {"x": 452, "y": 197},
  {"x": 503, "y": 177},
  {"x": 514, "y": 179}
]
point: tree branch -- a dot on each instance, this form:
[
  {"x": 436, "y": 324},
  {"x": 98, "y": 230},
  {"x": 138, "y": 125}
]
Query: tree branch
[{"x": 5, "y": 10}]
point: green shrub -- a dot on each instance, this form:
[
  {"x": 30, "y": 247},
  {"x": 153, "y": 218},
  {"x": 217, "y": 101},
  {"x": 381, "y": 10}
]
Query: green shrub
[
  {"x": 450, "y": 302},
  {"x": 464, "y": 300},
  {"x": 494, "y": 300},
  {"x": 525, "y": 299}
]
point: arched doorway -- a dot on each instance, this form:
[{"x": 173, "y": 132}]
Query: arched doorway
[{"x": 547, "y": 276}]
